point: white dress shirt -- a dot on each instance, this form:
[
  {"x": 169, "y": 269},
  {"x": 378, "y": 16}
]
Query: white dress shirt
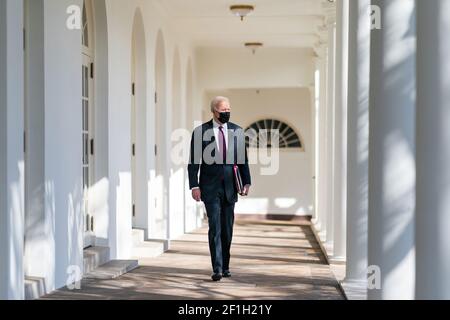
[{"x": 216, "y": 127}]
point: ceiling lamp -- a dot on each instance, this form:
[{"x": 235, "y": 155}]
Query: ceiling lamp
[
  {"x": 242, "y": 10},
  {"x": 253, "y": 46}
]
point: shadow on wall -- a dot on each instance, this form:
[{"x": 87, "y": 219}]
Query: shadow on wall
[{"x": 396, "y": 179}]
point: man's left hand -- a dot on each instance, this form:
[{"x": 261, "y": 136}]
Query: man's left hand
[{"x": 246, "y": 190}]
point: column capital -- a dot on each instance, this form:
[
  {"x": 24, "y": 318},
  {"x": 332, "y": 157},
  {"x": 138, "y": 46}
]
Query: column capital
[
  {"x": 328, "y": 4},
  {"x": 328, "y": 19},
  {"x": 320, "y": 49},
  {"x": 322, "y": 31},
  {"x": 329, "y": 12}
]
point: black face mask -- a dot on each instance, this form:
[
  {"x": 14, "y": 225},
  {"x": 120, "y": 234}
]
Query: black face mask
[{"x": 224, "y": 117}]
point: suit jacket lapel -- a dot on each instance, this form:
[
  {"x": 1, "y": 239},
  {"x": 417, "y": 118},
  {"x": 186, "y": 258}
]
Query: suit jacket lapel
[
  {"x": 210, "y": 126},
  {"x": 231, "y": 144}
]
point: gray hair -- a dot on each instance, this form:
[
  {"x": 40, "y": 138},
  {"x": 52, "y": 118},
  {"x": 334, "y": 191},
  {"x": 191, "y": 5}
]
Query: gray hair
[{"x": 218, "y": 100}]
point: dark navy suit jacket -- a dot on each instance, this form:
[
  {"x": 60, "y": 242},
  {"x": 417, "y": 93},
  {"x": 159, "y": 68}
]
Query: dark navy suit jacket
[{"x": 206, "y": 159}]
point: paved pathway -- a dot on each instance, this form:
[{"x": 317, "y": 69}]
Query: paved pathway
[{"x": 269, "y": 261}]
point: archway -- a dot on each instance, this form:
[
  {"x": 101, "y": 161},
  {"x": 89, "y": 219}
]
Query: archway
[
  {"x": 177, "y": 172},
  {"x": 139, "y": 124},
  {"x": 189, "y": 96},
  {"x": 190, "y": 212},
  {"x": 88, "y": 123},
  {"x": 94, "y": 51},
  {"x": 100, "y": 73},
  {"x": 160, "y": 223}
]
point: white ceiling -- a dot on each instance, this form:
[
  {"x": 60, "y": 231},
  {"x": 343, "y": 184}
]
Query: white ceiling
[{"x": 276, "y": 23}]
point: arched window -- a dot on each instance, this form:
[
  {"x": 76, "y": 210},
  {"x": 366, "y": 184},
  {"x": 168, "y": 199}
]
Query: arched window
[{"x": 264, "y": 133}]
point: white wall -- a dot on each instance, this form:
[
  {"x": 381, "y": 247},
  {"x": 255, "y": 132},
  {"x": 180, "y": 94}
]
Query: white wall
[
  {"x": 177, "y": 171},
  {"x": 289, "y": 191},
  {"x": 229, "y": 68},
  {"x": 194, "y": 101}
]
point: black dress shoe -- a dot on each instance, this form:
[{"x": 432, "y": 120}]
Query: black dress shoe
[
  {"x": 227, "y": 274},
  {"x": 216, "y": 277}
]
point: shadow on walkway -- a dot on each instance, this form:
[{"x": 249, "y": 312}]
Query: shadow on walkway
[{"x": 269, "y": 261}]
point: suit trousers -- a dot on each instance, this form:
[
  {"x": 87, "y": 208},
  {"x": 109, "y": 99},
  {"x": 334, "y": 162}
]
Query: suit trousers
[{"x": 221, "y": 222}]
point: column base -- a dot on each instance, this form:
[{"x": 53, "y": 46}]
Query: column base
[
  {"x": 355, "y": 289},
  {"x": 317, "y": 224},
  {"x": 328, "y": 247},
  {"x": 323, "y": 236},
  {"x": 337, "y": 260}
]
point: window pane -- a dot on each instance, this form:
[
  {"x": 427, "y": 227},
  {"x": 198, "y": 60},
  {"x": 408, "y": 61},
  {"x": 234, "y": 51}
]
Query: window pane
[
  {"x": 86, "y": 81},
  {"x": 276, "y": 124},
  {"x": 82, "y": 81},
  {"x": 85, "y": 149}
]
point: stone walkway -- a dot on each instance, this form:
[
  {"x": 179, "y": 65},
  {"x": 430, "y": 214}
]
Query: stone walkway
[{"x": 269, "y": 261}]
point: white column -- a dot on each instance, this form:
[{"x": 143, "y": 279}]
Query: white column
[
  {"x": 320, "y": 125},
  {"x": 11, "y": 150},
  {"x": 314, "y": 90},
  {"x": 313, "y": 95},
  {"x": 63, "y": 146},
  {"x": 38, "y": 261},
  {"x": 340, "y": 137},
  {"x": 119, "y": 138},
  {"x": 433, "y": 150},
  {"x": 358, "y": 141},
  {"x": 392, "y": 149},
  {"x": 330, "y": 127},
  {"x": 322, "y": 160}
]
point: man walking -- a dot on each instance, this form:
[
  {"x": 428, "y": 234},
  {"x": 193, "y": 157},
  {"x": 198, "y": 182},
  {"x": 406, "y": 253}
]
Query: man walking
[{"x": 217, "y": 148}]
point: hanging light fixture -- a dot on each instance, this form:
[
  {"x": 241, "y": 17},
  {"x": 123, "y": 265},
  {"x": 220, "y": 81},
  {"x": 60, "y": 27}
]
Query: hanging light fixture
[
  {"x": 242, "y": 10},
  {"x": 254, "y": 46}
]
